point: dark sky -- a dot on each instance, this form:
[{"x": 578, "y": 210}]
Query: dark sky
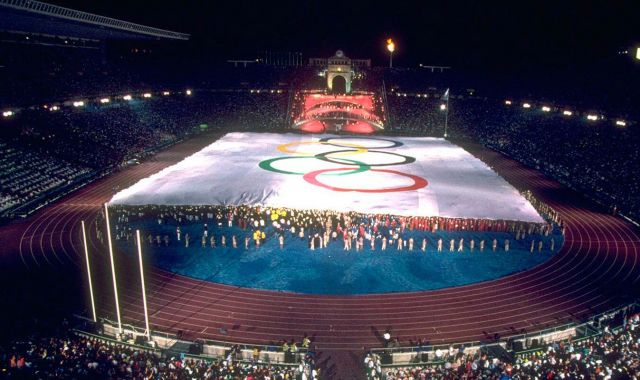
[{"x": 517, "y": 32}]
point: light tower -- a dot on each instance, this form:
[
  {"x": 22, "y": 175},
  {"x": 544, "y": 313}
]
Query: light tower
[{"x": 391, "y": 46}]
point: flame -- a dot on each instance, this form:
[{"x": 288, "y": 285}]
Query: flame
[{"x": 391, "y": 46}]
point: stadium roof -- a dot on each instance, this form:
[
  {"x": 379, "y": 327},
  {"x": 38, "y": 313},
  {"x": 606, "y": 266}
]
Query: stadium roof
[{"x": 42, "y": 18}]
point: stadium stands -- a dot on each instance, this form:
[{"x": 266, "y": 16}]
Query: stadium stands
[
  {"x": 46, "y": 151},
  {"x": 610, "y": 354},
  {"x": 72, "y": 355},
  {"x": 26, "y": 175},
  {"x": 591, "y": 156}
]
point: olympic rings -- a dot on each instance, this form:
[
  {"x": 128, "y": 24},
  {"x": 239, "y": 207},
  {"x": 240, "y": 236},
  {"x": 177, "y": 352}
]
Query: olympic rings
[
  {"x": 267, "y": 165},
  {"x": 407, "y": 159},
  {"x": 394, "y": 144},
  {"x": 418, "y": 182},
  {"x": 312, "y": 177},
  {"x": 284, "y": 147}
]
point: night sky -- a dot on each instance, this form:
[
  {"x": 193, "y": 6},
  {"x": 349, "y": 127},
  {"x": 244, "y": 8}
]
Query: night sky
[{"x": 458, "y": 33}]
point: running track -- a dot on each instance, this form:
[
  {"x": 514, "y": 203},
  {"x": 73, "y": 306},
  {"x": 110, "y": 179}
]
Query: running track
[{"x": 600, "y": 255}]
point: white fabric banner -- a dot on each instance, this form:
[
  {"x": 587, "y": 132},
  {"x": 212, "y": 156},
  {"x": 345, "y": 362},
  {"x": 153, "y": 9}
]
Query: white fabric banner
[{"x": 396, "y": 175}]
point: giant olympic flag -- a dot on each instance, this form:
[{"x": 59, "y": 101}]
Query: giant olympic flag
[{"x": 393, "y": 175}]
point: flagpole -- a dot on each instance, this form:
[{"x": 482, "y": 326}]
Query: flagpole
[
  {"x": 446, "y": 115},
  {"x": 113, "y": 269},
  {"x": 144, "y": 291},
  {"x": 86, "y": 253}
]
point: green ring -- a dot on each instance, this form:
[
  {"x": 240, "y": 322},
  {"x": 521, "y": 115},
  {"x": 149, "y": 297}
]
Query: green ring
[{"x": 266, "y": 165}]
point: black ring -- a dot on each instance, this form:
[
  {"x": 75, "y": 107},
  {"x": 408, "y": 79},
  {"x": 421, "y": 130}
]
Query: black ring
[
  {"x": 395, "y": 144},
  {"x": 323, "y": 157}
]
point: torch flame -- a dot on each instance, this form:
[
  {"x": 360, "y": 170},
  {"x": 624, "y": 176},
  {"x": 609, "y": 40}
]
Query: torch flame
[{"x": 391, "y": 46}]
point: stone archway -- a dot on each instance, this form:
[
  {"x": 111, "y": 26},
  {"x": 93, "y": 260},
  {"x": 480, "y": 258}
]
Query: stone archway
[{"x": 339, "y": 84}]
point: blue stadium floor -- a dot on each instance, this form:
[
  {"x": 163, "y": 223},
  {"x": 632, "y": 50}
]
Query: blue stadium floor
[{"x": 298, "y": 269}]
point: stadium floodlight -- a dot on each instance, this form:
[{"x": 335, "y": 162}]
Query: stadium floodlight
[
  {"x": 78, "y": 104},
  {"x": 188, "y": 92},
  {"x": 526, "y": 105},
  {"x": 127, "y": 97},
  {"x": 546, "y": 109},
  {"x": 621, "y": 123},
  {"x": 443, "y": 107},
  {"x": 146, "y": 95},
  {"x": 391, "y": 47},
  {"x": 507, "y": 102},
  {"x": 7, "y": 113},
  {"x": 567, "y": 113},
  {"x": 166, "y": 93},
  {"x": 592, "y": 117},
  {"x": 105, "y": 100}
]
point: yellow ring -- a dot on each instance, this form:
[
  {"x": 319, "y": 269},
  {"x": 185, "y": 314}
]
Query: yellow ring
[{"x": 284, "y": 148}]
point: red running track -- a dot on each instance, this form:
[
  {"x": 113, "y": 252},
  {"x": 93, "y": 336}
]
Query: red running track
[{"x": 600, "y": 255}]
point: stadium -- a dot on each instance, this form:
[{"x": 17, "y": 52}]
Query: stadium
[{"x": 169, "y": 210}]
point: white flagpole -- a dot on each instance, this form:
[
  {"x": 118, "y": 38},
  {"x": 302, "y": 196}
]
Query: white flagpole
[
  {"x": 144, "y": 291},
  {"x": 86, "y": 253},
  {"x": 446, "y": 114},
  {"x": 113, "y": 268}
]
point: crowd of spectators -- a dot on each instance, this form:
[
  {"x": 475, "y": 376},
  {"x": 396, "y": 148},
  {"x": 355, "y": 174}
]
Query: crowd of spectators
[
  {"x": 45, "y": 150},
  {"x": 594, "y": 157},
  {"x": 416, "y": 115},
  {"x": 24, "y": 175},
  {"x": 612, "y": 355},
  {"x": 72, "y": 356}
]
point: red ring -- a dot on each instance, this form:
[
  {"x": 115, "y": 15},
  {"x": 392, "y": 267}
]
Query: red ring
[{"x": 418, "y": 182}]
